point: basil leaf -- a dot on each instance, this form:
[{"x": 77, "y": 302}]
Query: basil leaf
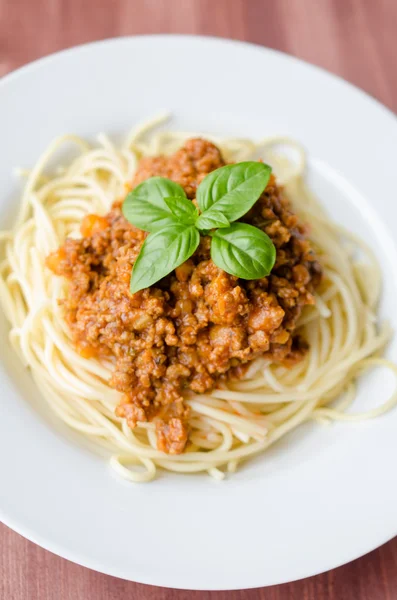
[
  {"x": 234, "y": 189},
  {"x": 243, "y": 250},
  {"x": 161, "y": 253},
  {"x": 183, "y": 210},
  {"x": 211, "y": 219},
  {"x": 145, "y": 208}
]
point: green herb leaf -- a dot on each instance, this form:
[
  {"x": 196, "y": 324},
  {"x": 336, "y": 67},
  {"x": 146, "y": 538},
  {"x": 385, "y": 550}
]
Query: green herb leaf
[
  {"x": 161, "y": 253},
  {"x": 145, "y": 207},
  {"x": 183, "y": 210},
  {"x": 243, "y": 250},
  {"x": 234, "y": 189},
  {"x": 211, "y": 219}
]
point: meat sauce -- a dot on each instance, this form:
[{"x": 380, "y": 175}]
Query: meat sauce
[{"x": 196, "y": 326}]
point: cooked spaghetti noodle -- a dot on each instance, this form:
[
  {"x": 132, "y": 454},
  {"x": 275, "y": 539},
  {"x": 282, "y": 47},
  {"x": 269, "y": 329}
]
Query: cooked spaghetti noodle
[{"x": 240, "y": 418}]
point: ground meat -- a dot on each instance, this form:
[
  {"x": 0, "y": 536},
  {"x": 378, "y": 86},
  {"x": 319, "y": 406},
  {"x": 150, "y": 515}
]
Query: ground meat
[
  {"x": 188, "y": 166},
  {"x": 198, "y": 324}
]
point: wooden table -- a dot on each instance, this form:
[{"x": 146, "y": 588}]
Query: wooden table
[{"x": 354, "y": 38}]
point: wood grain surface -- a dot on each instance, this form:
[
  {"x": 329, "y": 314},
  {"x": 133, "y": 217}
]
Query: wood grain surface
[{"x": 356, "y": 39}]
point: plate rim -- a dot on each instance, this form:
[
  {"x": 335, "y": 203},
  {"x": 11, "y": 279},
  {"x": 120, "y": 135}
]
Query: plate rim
[{"x": 189, "y": 36}]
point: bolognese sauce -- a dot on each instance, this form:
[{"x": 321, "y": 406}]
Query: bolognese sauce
[{"x": 197, "y": 326}]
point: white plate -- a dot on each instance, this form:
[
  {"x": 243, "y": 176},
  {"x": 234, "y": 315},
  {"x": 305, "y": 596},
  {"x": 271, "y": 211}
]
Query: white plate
[{"x": 321, "y": 497}]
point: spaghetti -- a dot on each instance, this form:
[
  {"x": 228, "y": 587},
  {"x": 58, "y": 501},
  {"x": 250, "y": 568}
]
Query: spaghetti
[{"x": 237, "y": 420}]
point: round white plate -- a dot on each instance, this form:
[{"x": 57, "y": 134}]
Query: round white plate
[{"x": 321, "y": 497}]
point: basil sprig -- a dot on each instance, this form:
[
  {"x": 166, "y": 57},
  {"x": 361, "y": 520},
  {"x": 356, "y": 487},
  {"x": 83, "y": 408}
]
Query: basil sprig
[
  {"x": 243, "y": 250},
  {"x": 162, "y": 252},
  {"x": 233, "y": 190},
  {"x": 146, "y": 208},
  {"x": 160, "y": 206}
]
